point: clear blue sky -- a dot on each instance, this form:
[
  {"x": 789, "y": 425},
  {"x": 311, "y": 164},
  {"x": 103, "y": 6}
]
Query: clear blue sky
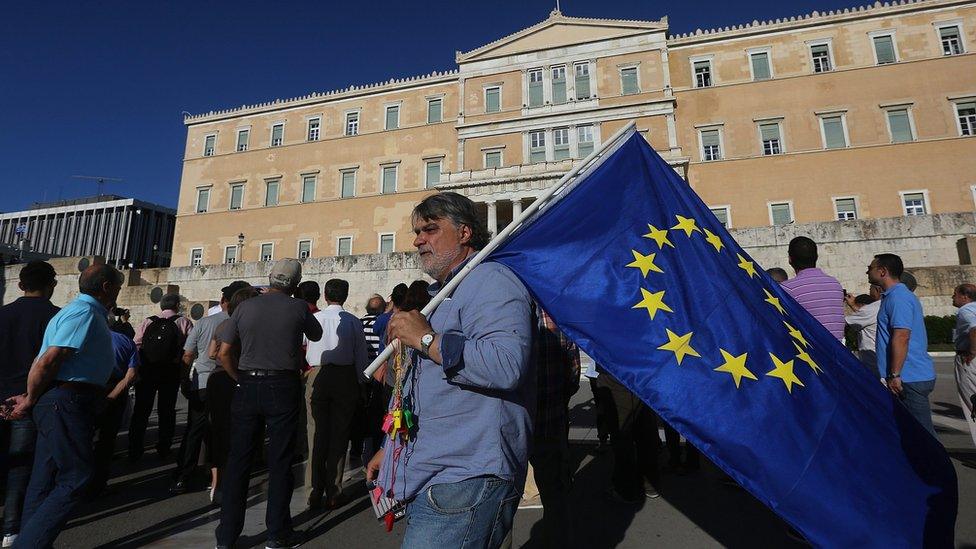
[{"x": 98, "y": 88}]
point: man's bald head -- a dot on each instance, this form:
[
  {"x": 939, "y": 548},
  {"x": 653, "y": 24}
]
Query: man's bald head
[{"x": 102, "y": 282}]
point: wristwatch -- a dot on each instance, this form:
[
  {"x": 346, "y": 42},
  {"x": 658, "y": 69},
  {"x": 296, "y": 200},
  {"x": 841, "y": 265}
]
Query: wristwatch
[
  {"x": 893, "y": 376},
  {"x": 425, "y": 342}
]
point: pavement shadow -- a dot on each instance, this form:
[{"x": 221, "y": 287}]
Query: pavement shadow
[{"x": 948, "y": 409}]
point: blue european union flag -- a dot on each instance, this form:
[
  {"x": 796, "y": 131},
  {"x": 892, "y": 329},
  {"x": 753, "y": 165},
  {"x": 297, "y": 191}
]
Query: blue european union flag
[{"x": 634, "y": 267}]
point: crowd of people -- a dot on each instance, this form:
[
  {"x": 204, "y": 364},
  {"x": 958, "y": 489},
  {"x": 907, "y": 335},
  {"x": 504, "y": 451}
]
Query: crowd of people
[{"x": 270, "y": 376}]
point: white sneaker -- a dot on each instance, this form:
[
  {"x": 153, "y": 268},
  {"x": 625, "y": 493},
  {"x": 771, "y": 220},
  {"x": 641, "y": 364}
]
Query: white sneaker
[{"x": 9, "y": 539}]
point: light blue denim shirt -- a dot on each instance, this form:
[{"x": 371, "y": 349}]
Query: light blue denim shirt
[
  {"x": 474, "y": 412},
  {"x": 82, "y": 325}
]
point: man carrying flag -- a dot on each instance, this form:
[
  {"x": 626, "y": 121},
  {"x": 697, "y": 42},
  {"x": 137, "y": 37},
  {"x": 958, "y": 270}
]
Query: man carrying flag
[
  {"x": 461, "y": 415},
  {"x": 734, "y": 363}
]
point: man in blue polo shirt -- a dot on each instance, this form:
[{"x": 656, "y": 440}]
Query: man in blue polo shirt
[
  {"x": 902, "y": 342},
  {"x": 64, "y": 386}
]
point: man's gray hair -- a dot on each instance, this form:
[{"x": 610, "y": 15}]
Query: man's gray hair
[
  {"x": 459, "y": 210},
  {"x": 93, "y": 278}
]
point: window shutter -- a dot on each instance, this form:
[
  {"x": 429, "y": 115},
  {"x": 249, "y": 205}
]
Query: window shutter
[
  {"x": 781, "y": 214},
  {"x": 493, "y": 103},
  {"x": 709, "y": 138},
  {"x": 769, "y": 131},
  {"x": 760, "y": 66},
  {"x": 433, "y": 173},
  {"x": 834, "y": 133},
  {"x": 901, "y": 129},
  {"x": 885, "y": 49}
]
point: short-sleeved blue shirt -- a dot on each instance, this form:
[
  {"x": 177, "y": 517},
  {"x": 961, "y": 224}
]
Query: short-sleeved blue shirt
[
  {"x": 901, "y": 309},
  {"x": 83, "y": 326},
  {"x": 965, "y": 322},
  {"x": 126, "y": 354}
]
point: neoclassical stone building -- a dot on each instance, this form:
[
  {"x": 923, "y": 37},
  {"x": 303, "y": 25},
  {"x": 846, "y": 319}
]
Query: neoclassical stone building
[{"x": 853, "y": 114}]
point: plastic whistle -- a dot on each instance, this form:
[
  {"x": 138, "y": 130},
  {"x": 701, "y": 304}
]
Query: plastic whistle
[
  {"x": 397, "y": 420},
  {"x": 388, "y": 424},
  {"x": 408, "y": 419}
]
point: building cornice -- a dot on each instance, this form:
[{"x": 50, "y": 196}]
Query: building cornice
[
  {"x": 318, "y": 98},
  {"x": 816, "y": 18}
]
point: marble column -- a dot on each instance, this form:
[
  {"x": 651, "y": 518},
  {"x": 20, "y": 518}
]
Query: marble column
[
  {"x": 516, "y": 208},
  {"x": 492, "y": 217}
]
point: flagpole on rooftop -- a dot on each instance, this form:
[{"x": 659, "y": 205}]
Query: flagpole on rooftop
[{"x": 544, "y": 200}]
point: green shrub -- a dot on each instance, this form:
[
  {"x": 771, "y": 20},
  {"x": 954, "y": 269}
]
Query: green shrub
[{"x": 940, "y": 328}]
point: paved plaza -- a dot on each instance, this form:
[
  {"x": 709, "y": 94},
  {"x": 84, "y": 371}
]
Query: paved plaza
[{"x": 694, "y": 511}]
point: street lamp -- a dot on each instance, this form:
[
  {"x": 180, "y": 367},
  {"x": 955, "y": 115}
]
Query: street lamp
[{"x": 240, "y": 247}]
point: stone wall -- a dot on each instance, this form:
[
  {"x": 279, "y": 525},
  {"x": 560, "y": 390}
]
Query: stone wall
[{"x": 936, "y": 248}]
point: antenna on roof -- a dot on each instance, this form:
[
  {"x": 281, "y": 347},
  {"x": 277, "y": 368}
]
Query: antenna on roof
[{"x": 99, "y": 180}]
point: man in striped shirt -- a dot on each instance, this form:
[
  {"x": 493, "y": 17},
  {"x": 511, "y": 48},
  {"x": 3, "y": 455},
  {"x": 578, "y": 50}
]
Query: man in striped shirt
[
  {"x": 374, "y": 307},
  {"x": 816, "y": 291}
]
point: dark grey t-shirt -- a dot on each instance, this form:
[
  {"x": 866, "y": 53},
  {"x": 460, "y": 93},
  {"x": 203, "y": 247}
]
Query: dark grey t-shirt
[{"x": 269, "y": 328}]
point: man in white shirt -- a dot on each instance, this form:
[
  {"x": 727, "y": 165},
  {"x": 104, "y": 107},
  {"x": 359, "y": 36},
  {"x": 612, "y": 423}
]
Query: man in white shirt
[
  {"x": 865, "y": 320},
  {"x": 337, "y": 361}
]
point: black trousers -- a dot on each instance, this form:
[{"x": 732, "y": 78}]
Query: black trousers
[
  {"x": 550, "y": 463},
  {"x": 333, "y": 401},
  {"x": 160, "y": 384},
  {"x": 673, "y": 441},
  {"x": 261, "y": 401},
  {"x": 108, "y": 421},
  {"x": 220, "y": 394},
  {"x": 197, "y": 431},
  {"x": 377, "y": 404},
  {"x": 603, "y": 402},
  {"x": 634, "y": 440}
]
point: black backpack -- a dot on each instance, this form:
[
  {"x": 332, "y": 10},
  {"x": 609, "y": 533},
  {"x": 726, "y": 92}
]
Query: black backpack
[{"x": 161, "y": 341}]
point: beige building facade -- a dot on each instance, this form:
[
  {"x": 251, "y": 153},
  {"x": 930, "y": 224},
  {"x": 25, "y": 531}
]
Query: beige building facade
[{"x": 856, "y": 114}]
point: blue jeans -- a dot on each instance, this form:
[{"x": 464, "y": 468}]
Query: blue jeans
[
  {"x": 19, "y": 437},
  {"x": 473, "y": 513},
  {"x": 915, "y": 397},
  {"x": 63, "y": 464},
  {"x": 272, "y": 401}
]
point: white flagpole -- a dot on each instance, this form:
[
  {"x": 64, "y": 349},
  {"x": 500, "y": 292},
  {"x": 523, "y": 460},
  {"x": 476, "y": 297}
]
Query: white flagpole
[{"x": 504, "y": 234}]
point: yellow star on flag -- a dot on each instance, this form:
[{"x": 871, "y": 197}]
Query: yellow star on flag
[
  {"x": 735, "y": 365},
  {"x": 685, "y": 224},
  {"x": 658, "y": 235},
  {"x": 784, "y": 371},
  {"x": 653, "y": 302},
  {"x": 797, "y": 335},
  {"x": 679, "y": 345},
  {"x": 774, "y": 301},
  {"x": 747, "y": 266},
  {"x": 714, "y": 240},
  {"x": 805, "y": 357},
  {"x": 644, "y": 262}
]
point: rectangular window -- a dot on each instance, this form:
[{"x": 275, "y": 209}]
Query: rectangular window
[
  {"x": 537, "y": 146},
  {"x": 820, "y": 53},
  {"x": 584, "y": 140},
  {"x": 196, "y": 256},
  {"x": 308, "y": 188},
  {"x": 781, "y": 214},
  {"x": 352, "y": 123},
  {"x": 348, "y": 184},
  {"x": 560, "y": 143},
  {"x": 722, "y": 214},
  {"x": 900, "y": 126},
  {"x": 304, "y": 249},
  {"x": 711, "y": 145},
  {"x": 493, "y": 159},
  {"x": 846, "y": 208},
  {"x": 277, "y": 135},
  {"x": 434, "y": 110},
  {"x": 493, "y": 99},
  {"x": 558, "y": 85},
  {"x": 433, "y": 173},
  {"x": 344, "y": 245},
  {"x": 314, "y": 125},
  {"x": 209, "y": 144},
  {"x": 760, "y": 65},
  {"x": 833, "y": 132},
  {"x": 535, "y": 87},
  {"x": 386, "y": 243},
  {"x": 230, "y": 254},
  {"x": 389, "y": 179},
  {"x": 914, "y": 203},
  {"x": 951, "y": 40},
  {"x": 582, "y": 80},
  {"x": 884, "y": 49},
  {"x": 242, "y": 137},
  {"x": 271, "y": 194},
  {"x": 628, "y": 81},
  {"x": 392, "y": 117},
  {"x": 771, "y": 141},
  {"x": 236, "y": 196},
  {"x": 703, "y": 73},
  {"x": 966, "y": 114},
  {"x": 267, "y": 252},
  {"x": 203, "y": 200}
]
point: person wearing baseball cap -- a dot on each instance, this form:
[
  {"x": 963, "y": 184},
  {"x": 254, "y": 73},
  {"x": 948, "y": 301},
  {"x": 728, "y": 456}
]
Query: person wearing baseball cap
[{"x": 268, "y": 329}]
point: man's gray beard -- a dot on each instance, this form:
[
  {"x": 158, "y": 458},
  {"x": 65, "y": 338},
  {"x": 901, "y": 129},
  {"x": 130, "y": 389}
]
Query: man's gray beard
[{"x": 438, "y": 263}]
